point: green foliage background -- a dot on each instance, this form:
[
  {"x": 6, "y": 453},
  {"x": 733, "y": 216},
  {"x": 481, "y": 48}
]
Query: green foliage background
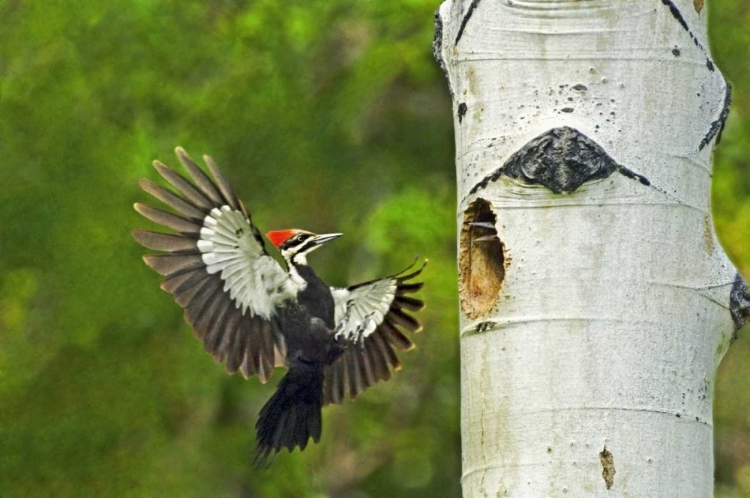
[{"x": 327, "y": 115}]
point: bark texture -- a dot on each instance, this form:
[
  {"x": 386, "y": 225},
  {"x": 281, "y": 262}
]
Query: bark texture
[{"x": 584, "y": 132}]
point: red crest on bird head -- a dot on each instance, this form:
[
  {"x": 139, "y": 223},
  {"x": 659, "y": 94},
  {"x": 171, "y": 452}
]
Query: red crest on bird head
[{"x": 278, "y": 237}]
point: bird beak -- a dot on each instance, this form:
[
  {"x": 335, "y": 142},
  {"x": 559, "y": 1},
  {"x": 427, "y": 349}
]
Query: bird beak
[{"x": 321, "y": 239}]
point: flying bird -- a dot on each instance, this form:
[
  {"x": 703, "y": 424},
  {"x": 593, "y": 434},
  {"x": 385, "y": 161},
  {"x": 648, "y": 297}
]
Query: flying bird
[{"x": 253, "y": 314}]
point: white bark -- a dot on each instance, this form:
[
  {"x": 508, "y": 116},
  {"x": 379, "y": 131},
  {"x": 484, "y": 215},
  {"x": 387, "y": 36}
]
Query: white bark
[{"x": 603, "y": 322}]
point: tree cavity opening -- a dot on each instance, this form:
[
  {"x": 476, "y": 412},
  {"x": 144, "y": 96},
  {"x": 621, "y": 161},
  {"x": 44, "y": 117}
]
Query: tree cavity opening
[{"x": 481, "y": 263}]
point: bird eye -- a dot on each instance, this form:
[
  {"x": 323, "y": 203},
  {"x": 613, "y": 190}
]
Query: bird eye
[{"x": 301, "y": 237}]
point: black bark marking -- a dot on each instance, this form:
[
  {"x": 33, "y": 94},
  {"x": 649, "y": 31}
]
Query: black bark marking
[
  {"x": 633, "y": 175},
  {"x": 678, "y": 15},
  {"x": 484, "y": 327},
  {"x": 739, "y": 304},
  {"x": 462, "y": 111},
  {"x": 581, "y": 88},
  {"x": 718, "y": 126},
  {"x": 676, "y": 52},
  {"x": 608, "y": 467},
  {"x": 466, "y": 18},
  {"x": 561, "y": 159},
  {"x": 437, "y": 43}
]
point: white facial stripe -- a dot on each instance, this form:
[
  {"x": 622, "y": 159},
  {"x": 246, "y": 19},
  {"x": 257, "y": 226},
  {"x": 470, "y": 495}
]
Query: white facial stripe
[{"x": 297, "y": 254}]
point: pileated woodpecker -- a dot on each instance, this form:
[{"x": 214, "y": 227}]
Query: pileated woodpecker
[{"x": 255, "y": 315}]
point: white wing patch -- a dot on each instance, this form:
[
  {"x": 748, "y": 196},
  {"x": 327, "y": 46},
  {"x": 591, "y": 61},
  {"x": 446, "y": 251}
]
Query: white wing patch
[
  {"x": 255, "y": 281},
  {"x": 359, "y": 312}
]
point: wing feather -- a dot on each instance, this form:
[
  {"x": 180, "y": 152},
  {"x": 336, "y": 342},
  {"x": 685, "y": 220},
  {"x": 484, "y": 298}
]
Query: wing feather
[
  {"x": 406, "y": 321},
  {"x": 189, "y": 191},
  {"x": 247, "y": 368},
  {"x": 211, "y": 314},
  {"x": 175, "y": 202},
  {"x": 197, "y": 306},
  {"x": 187, "y": 288},
  {"x": 169, "y": 220},
  {"x": 405, "y": 288},
  {"x": 332, "y": 385},
  {"x": 237, "y": 350},
  {"x": 279, "y": 351},
  {"x": 216, "y": 334},
  {"x": 266, "y": 346},
  {"x": 368, "y": 318},
  {"x": 181, "y": 282},
  {"x": 202, "y": 180},
  {"x": 164, "y": 242},
  {"x": 379, "y": 360},
  {"x": 221, "y": 182},
  {"x": 387, "y": 351},
  {"x": 217, "y": 269},
  {"x": 369, "y": 374},
  {"x": 355, "y": 378},
  {"x": 256, "y": 351},
  {"x": 169, "y": 265},
  {"x": 396, "y": 337},
  {"x": 409, "y": 303}
]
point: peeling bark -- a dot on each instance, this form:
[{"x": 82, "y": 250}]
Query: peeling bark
[{"x": 584, "y": 133}]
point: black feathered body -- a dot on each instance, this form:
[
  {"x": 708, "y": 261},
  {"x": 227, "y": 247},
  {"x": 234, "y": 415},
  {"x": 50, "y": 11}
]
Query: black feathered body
[
  {"x": 316, "y": 296},
  {"x": 308, "y": 324},
  {"x": 293, "y": 414}
]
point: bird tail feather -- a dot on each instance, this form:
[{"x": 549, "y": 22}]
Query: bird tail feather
[{"x": 293, "y": 414}]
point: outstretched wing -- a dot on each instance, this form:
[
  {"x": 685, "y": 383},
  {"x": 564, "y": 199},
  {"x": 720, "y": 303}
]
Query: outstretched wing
[
  {"x": 368, "y": 318},
  {"x": 217, "y": 269}
]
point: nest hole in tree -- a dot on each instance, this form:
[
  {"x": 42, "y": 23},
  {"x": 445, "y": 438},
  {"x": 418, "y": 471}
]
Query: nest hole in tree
[{"x": 481, "y": 263}]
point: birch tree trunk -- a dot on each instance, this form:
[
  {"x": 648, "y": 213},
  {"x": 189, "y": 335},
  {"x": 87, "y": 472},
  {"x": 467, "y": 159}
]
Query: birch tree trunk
[{"x": 596, "y": 300}]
